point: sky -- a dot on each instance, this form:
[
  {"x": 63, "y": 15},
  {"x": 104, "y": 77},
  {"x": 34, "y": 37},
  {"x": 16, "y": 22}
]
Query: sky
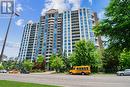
[{"x": 31, "y": 10}]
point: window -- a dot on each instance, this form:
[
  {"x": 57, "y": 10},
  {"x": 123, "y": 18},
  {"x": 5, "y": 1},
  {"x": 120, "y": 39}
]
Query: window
[
  {"x": 80, "y": 13},
  {"x": 85, "y": 68},
  {"x": 52, "y": 15}
]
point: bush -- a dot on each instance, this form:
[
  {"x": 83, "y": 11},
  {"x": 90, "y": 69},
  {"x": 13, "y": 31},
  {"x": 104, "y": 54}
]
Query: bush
[
  {"x": 57, "y": 63},
  {"x": 1, "y": 67},
  {"x": 125, "y": 60},
  {"x": 27, "y": 64}
]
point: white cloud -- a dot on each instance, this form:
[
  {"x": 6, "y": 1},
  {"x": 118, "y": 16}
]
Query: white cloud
[
  {"x": 11, "y": 48},
  {"x": 55, "y": 4},
  {"x": 19, "y": 8},
  {"x": 19, "y": 22},
  {"x": 61, "y": 5},
  {"x": 29, "y": 8},
  {"x": 75, "y": 4},
  {"x": 101, "y": 15},
  {"x": 10, "y": 44},
  {"x": 10, "y": 52}
]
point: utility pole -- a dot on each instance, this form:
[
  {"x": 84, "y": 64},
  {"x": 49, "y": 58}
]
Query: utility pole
[{"x": 10, "y": 20}]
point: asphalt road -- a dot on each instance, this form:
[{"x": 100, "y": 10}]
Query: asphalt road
[{"x": 71, "y": 80}]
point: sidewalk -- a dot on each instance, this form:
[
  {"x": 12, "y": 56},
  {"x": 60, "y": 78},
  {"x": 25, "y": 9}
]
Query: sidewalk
[{"x": 45, "y": 73}]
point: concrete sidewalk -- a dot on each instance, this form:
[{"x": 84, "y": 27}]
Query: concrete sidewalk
[{"x": 44, "y": 73}]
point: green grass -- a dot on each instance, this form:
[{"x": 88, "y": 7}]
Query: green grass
[{"x": 5, "y": 83}]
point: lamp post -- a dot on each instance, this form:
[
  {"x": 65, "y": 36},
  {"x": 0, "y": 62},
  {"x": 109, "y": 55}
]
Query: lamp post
[{"x": 10, "y": 20}]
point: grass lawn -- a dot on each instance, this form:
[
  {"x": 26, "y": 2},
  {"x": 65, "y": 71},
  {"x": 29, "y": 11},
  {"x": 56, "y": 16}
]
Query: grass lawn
[{"x": 5, "y": 83}]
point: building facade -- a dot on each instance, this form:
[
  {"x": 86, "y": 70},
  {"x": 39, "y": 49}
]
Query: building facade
[
  {"x": 50, "y": 34},
  {"x": 77, "y": 25},
  {"x": 56, "y": 32},
  {"x": 29, "y": 42}
]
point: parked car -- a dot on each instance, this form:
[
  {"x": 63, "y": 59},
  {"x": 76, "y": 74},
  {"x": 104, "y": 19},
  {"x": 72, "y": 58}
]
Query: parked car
[
  {"x": 14, "y": 72},
  {"x": 3, "y": 71},
  {"x": 126, "y": 72}
]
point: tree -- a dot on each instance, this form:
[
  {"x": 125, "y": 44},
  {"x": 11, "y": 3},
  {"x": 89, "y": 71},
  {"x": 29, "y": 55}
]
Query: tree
[
  {"x": 85, "y": 53},
  {"x": 9, "y": 65},
  {"x": 66, "y": 63},
  {"x": 110, "y": 60},
  {"x": 56, "y": 62},
  {"x": 27, "y": 64},
  {"x": 72, "y": 59},
  {"x": 40, "y": 59},
  {"x": 1, "y": 67},
  {"x": 116, "y": 26},
  {"x": 97, "y": 66},
  {"x": 125, "y": 60},
  {"x": 40, "y": 63}
]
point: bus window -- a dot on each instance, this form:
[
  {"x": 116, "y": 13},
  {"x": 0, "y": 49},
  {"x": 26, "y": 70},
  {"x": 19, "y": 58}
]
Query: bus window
[
  {"x": 86, "y": 68},
  {"x": 82, "y": 68},
  {"x": 78, "y": 68}
]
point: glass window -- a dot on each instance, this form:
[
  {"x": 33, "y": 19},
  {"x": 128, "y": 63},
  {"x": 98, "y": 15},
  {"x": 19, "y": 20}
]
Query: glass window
[
  {"x": 91, "y": 34},
  {"x": 82, "y": 27},
  {"x": 69, "y": 43},
  {"x": 80, "y": 13},
  {"x": 69, "y": 50},
  {"x": 52, "y": 15}
]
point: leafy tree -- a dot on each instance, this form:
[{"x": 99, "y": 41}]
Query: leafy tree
[
  {"x": 40, "y": 59},
  {"x": 85, "y": 53},
  {"x": 56, "y": 62},
  {"x": 27, "y": 64},
  {"x": 125, "y": 60},
  {"x": 66, "y": 63},
  {"x": 72, "y": 59},
  {"x": 40, "y": 63},
  {"x": 116, "y": 26},
  {"x": 1, "y": 67},
  {"x": 110, "y": 60},
  {"x": 9, "y": 65},
  {"x": 97, "y": 66},
  {"x": 19, "y": 66},
  {"x": 65, "y": 60}
]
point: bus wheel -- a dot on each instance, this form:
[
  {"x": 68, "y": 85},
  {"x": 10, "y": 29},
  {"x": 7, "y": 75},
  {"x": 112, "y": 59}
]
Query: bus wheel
[
  {"x": 71, "y": 73},
  {"x": 82, "y": 73}
]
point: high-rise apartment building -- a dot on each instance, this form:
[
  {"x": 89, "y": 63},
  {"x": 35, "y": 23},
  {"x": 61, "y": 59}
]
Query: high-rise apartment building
[
  {"x": 29, "y": 42},
  {"x": 77, "y": 25},
  {"x": 56, "y": 32},
  {"x": 50, "y": 34}
]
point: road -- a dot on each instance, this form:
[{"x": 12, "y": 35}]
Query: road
[{"x": 71, "y": 80}]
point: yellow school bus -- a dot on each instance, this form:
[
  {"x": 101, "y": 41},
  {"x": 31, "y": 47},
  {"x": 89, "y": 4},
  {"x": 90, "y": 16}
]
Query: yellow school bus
[{"x": 80, "y": 70}]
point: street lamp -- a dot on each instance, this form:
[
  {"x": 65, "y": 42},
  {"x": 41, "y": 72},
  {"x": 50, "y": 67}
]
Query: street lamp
[{"x": 2, "y": 51}]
